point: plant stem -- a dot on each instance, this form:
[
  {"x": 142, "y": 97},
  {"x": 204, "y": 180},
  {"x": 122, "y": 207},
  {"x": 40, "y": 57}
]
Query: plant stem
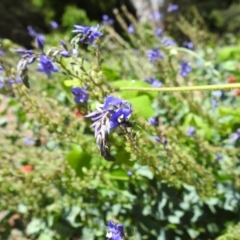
[{"x": 185, "y": 88}]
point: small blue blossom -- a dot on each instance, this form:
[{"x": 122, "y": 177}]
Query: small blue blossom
[
  {"x": 39, "y": 38},
  {"x": 168, "y": 42},
  {"x": 64, "y": 53},
  {"x": 172, "y": 7},
  {"x": 115, "y": 232},
  {"x": 218, "y": 157},
  {"x": 54, "y": 24},
  {"x": 129, "y": 173},
  {"x": 131, "y": 29},
  {"x": 188, "y": 45},
  {"x": 191, "y": 131},
  {"x": 154, "y": 82},
  {"x": 154, "y": 55},
  {"x": 217, "y": 93},
  {"x": 89, "y": 34},
  {"x": 1, "y": 52},
  {"x": 155, "y": 16},
  {"x": 28, "y": 141},
  {"x": 153, "y": 121},
  {"x": 158, "y": 32},
  {"x": 46, "y": 65},
  {"x": 31, "y": 31},
  {"x": 107, "y": 20},
  {"x": 214, "y": 104},
  {"x": 235, "y": 136},
  {"x": 185, "y": 69},
  {"x": 16, "y": 80},
  {"x": 80, "y": 94},
  {"x": 2, "y": 83},
  {"x": 1, "y": 69},
  {"x": 157, "y": 139}
]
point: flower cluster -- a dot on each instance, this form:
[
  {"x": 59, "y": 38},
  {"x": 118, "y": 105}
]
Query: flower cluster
[
  {"x": 108, "y": 116},
  {"x": 107, "y": 20},
  {"x": 39, "y": 38},
  {"x": 1, "y": 69},
  {"x": 131, "y": 29},
  {"x": 46, "y": 65},
  {"x": 191, "y": 131},
  {"x": 172, "y": 7},
  {"x": 153, "y": 121},
  {"x": 89, "y": 34},
  {"x": 154, "y": 55},
  {"x": 168, "y": 42},
  {"x": 154, "y": 82},
  {"x": 185, "y": 69},
  {"x": 115, "y": 231},
  {"x": 80, "y": 94}
]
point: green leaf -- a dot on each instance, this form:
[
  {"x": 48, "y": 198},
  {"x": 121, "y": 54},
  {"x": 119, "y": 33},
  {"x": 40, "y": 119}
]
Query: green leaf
[
  {"x": 142, "y": 105},
  {"x": 71, "y": 83},
  {"x": 119, "y": 174},
  {"x": 35, "y": 226},
  {"x": 44, "y": 236},
  {"x": 133, "y": 83},
  {"x": 230, "y": 65},
  {"x": 78, "y": 159}
]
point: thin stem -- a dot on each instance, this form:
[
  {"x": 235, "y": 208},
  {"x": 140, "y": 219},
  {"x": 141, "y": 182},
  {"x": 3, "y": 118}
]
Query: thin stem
[{"x": 184, "y": 89}]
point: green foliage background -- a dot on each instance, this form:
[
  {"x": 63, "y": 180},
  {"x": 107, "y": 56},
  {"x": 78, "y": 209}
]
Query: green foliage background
[{"x": 174, "y": 192}]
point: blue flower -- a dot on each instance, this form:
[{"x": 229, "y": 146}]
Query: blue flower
[
  {"x": 154, "y": 82},
  {"x": 217, "y": 93},
  {"x": 172, "y": 7},
  {"x": 157, "y": 139},
  {"x": 31, "y": 31},
  {"x": 154, "y": 55},
  {"x": 114, "y": 113},
  {"x": 168, "y": 42},
  {"x": 155, "y": 16},
  {"x": 131, "y": 29},
  {"x": 1, "y": 69},
  {"x": 39, "y": 38},
  {"x": 107, "y": 20},
  {"x": 158, "y": 32},
  {"x": 28, "y": 141},
  {"x": 12, "y": 81},
  {"x": 153, "y": 121},
  {"x": 89, "y": 34},
  {"x": 115, "y": 232},
  {"x": 46, "y": 65},
  {"x": 53, "y": 24},
  {"x": 64, "y": 53},
  {"x": 188, "y": 45},
  {"x": 235, "y": 136},
  {"x": 2, "y": 83},
  {"x": 191, "y": 131},
  {"x": 214, "y": 104},
  {"x": 185, "y": 69},
  {"x": 1, "y": 52},
  {"x": 80, "y": 94}
]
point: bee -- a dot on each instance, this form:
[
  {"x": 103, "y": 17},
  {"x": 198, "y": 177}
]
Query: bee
[
  {"x": 125, "y": 125},
  {"x": 84, "y": 39}
]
